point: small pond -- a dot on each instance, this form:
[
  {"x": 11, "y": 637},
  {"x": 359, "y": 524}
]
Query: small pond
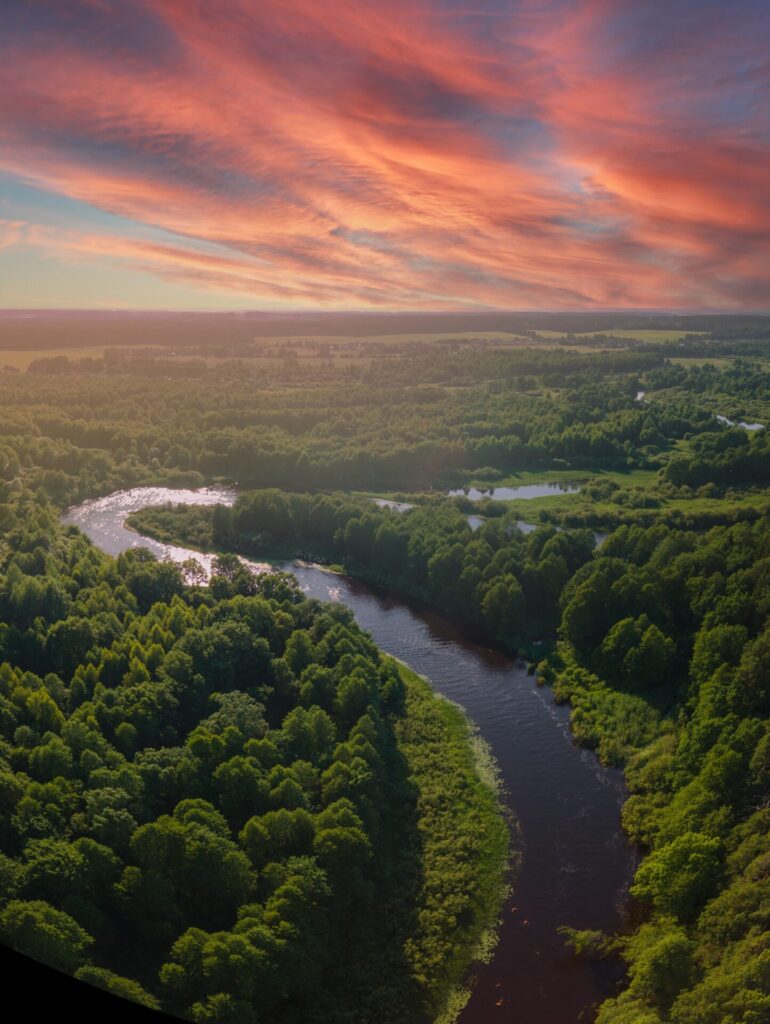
[{"x": 523, "y": 493}]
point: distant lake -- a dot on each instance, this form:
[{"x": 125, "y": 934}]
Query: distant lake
[
  {"x": 397, "y": 506},
  {"x": 473, "y": 521},
  {"x": 523, "y": 493},
  {"x": 740, "y": 423}
]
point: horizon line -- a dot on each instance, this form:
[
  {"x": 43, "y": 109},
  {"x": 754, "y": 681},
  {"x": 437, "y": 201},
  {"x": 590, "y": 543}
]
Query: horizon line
[{"x": 604, "y": 311}]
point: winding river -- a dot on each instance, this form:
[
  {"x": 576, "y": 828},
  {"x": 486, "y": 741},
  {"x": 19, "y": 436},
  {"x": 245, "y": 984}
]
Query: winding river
[{"x": 576, "y": 863}]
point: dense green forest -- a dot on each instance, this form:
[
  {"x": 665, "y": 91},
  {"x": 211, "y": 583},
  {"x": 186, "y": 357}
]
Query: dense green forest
[
  {"x": 209, "y": 771},
  {"x": 664, "y": 655},
  {"x": 203, "y": 789},
  {"x": 87, "y": 432},
  {"x": 419, "y": 418}
]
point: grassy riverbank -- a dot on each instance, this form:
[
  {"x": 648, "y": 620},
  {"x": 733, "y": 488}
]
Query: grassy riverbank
[{"x": 467, "y": 858}]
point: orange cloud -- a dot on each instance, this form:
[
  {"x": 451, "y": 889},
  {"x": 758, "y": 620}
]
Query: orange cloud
[{"x": 402, "y": 156}]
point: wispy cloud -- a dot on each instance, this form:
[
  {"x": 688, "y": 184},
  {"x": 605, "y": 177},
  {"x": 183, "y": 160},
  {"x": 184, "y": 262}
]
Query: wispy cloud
[{"x": 567, "y": 154}]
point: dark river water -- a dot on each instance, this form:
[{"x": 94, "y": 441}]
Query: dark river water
[{"x": 576, "y": 863}]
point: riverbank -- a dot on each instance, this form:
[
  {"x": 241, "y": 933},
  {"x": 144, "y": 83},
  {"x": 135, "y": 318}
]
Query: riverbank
[{"x": 461, "y": 820}]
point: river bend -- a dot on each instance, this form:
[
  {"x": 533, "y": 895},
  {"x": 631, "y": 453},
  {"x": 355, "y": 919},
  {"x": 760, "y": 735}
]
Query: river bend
[{"x": 576, "y": 863}]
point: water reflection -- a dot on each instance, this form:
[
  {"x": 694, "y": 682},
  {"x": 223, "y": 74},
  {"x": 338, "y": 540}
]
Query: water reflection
[{"x": 525, "y": 492}]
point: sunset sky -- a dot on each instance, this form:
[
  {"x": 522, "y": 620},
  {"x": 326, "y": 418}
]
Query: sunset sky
[{"x": 296, "y": 154}]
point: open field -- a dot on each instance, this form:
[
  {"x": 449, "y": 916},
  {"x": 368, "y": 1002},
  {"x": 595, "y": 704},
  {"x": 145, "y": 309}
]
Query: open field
[
  {"x": 641, "y": 477},
  {"x": 275, "y": 352},
  {"x": 20, "y": 359},
  {"x": 653, "y": 336},
  {"x": 597, "y": 512}
]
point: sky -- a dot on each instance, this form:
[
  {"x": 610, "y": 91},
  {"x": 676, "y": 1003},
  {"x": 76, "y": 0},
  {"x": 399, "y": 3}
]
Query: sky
[{"x": 385, "y": 154}]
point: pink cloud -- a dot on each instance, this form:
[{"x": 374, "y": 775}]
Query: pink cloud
[{"x": 387, "y": 157}]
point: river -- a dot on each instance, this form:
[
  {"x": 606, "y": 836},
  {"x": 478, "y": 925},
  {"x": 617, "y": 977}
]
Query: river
[{"x": 576, "y": 863}]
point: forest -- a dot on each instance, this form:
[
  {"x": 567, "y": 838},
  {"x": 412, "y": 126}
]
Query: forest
[
  {"x": 202, "y": 788},
  {"x": 664, "y": 656},
  {"x": 203, "y": 785}
]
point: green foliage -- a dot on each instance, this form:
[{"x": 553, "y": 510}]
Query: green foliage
[
  {"x": 497, "y": 576},
  {"x": 223, "y": 784},
  {"x": 453, "y": 906},
  {"x": 45, "y": 933},
  {"x": 665, "y": 659},
  {"x": 231, "y": 781},
  {"x": 680, "y": 876},
  {"x": 693, "y": 737},
  {"x": 588, "y": 942},
  {"x": 126, "y": 988},
  {"x": 662, "y": 964}
]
